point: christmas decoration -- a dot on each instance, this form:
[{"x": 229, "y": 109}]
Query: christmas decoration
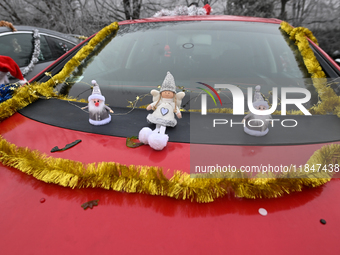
[
  {"x": 165, "y": 104},
  {"x": 7, "y": 90},
  {"x": 99, "y": 112},
  {"x": 151, "y": 179},
  {"x": 7, "y": 24},
  {"x": 257, "y": 125},
  {"x": 35, "y": 54},
  {"x": 7, "y": 64},
  {"x": 192, "y": 10},
  {"x": 30, "y": 93},
  {"x": 330, "y": 101},
  {"x": 67, "y": 146},
  {"x": 36, "y": 50}
]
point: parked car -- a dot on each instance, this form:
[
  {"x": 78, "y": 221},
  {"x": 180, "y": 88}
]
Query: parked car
[
  {"x": 20, "y": 46},
  {"x": 336, "y": 56},
  {"x": 238, "y": 215}
]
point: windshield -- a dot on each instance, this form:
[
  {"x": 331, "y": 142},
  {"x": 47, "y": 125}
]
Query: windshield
[{"x": 136, "y": 61}]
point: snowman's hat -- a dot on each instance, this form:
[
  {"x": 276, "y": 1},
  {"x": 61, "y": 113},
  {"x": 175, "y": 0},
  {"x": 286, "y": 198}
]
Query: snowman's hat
[
  {"x": 258, "y": 99},
  {"x": 96, "y": 93}
]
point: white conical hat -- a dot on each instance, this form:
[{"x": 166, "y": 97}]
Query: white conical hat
[
  {"x": 168, "y": 83},
  {"x": 258, "y": 99},
  {"x": 96, "y": 93}
]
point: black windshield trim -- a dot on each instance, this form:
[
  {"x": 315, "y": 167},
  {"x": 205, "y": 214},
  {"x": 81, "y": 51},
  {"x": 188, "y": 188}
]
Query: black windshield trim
[{"x": 64, "y": 114}]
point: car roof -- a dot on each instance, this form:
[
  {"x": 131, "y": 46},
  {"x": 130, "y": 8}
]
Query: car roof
[
  {"x": 68, "y": 37},
  {"x": 203, "y": 18}
]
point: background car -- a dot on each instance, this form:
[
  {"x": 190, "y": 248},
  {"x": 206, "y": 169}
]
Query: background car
[
  {"x": 20, "y": 46},
  {"x": 197, "y": 50},
  {"x": 336, "y": 56}
]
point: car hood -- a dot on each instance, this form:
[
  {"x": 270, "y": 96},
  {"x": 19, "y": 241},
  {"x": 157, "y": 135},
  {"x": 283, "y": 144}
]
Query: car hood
[{"x": 32, "y": 206}]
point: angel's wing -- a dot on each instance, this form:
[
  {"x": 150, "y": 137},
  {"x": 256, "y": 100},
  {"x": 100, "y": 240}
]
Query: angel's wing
[
  {"x": 155, "y": 95},
  {"x": 179, "y": 97}
]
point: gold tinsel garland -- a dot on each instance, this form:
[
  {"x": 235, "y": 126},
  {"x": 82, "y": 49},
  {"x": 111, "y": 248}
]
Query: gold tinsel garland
[
  {"x": 151, "y": 180},
  {"x": 329, "y": 101},
  {"x": 31, "y": 92}
]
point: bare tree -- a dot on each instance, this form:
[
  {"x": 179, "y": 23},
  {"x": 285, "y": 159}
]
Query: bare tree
[
  {"x": 283, "y": 12},
  {"x": 88, "y": 16},
  {"x": 124, "y": 10},
  {"x": 254, "y": 8},
  {"x": 11, "y": 10},
  {"x": 61, "y": 15},
  {"x": 301, "y": 9},
  {"x": 76, "y": 8}
]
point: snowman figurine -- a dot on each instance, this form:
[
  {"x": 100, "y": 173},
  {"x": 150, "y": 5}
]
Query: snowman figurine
[
  {"x": 257, "y": 125},
  {"x": 98, "y": 111},
  {"x": 165, "y": 106}
]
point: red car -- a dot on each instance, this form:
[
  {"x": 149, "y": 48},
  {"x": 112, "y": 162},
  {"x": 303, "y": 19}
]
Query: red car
[{"x": 212, "y": 188}]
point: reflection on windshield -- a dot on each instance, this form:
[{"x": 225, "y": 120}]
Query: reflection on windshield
[{"x": 244, "y": 54}]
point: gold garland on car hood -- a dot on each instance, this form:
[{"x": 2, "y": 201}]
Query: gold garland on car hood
[{"x": 151, "y": 180}]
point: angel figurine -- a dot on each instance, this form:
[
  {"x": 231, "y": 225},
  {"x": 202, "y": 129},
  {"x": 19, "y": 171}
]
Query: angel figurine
[{"x": 165, "y": 106}]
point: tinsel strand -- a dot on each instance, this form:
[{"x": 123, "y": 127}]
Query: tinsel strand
[
  {"x": 31, "y": 92},
  {"x": 151, "y": 180},
  {"x": 330, "y": 102}
]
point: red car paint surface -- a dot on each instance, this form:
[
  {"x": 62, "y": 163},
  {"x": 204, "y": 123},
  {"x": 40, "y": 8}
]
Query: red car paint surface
[
  {"x": 41, "y": 218},
  {"x": 125, "y": 223}
]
